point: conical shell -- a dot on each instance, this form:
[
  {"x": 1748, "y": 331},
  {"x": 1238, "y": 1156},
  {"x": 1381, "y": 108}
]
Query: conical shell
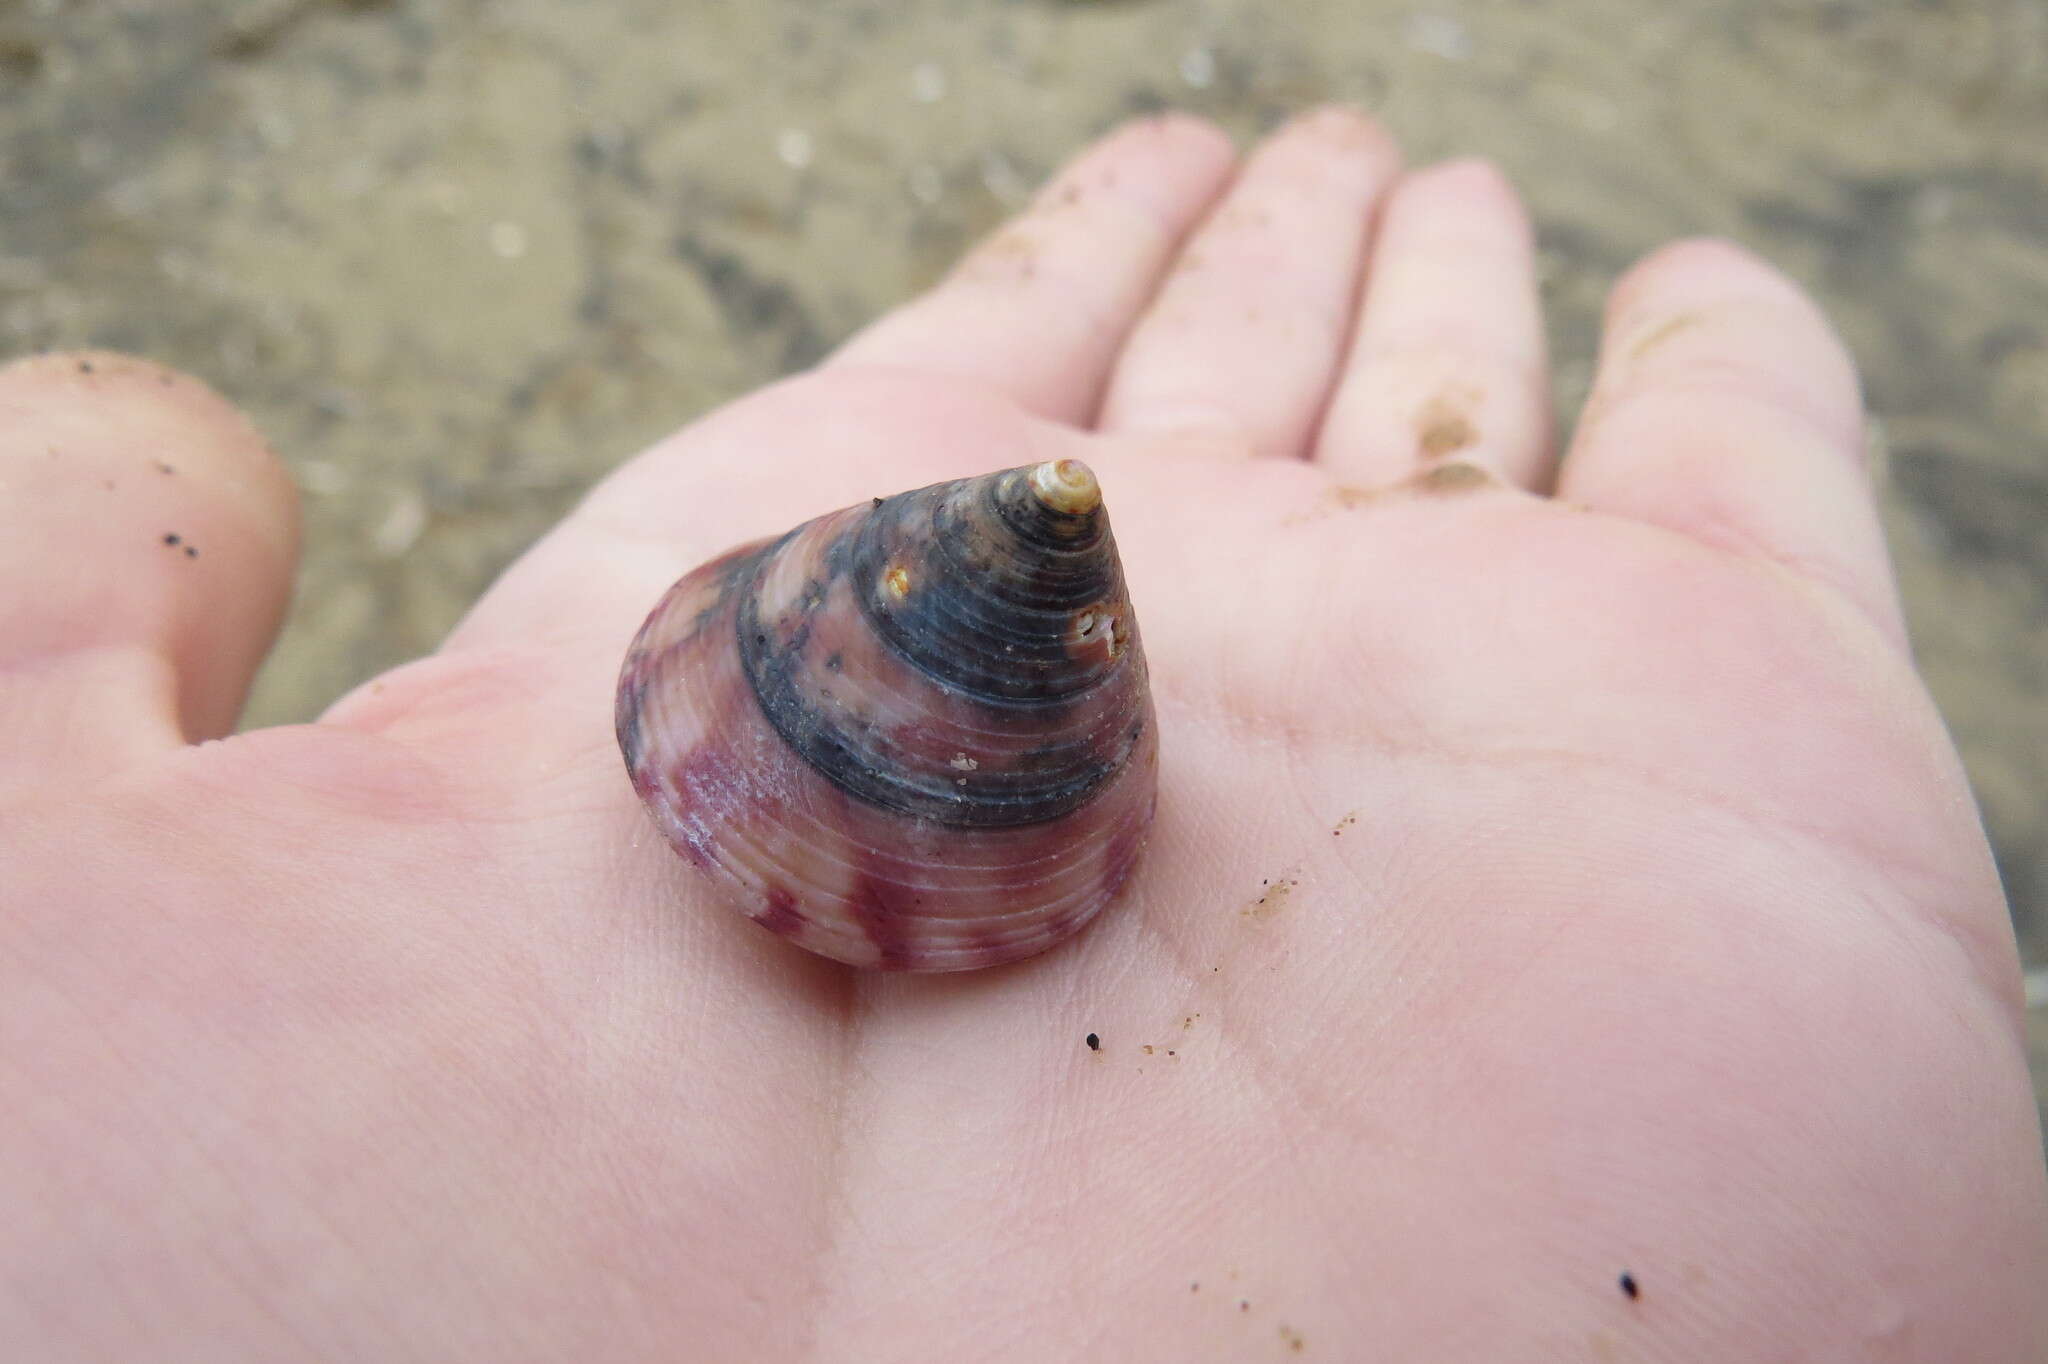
[{"x": 915, "y": 734}]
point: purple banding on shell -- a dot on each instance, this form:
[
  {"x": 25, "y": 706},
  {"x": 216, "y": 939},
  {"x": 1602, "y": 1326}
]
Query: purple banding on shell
[{"x": 794, "y": 721}]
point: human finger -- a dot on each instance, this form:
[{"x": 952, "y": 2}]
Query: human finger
[
  {"x": 1241, "y": 343},
  {"x": 1040, "y": 309},
  {"x": 1448, "y": 360},
  {"x": 1725, "y": 408},
  {"x": 148, "y": 538}
]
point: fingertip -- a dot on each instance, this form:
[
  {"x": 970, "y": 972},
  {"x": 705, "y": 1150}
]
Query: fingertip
[
  {"x": 159, "y": 534},
  {"x": 1348, "y": 126},
  {"x": 1188, "y": 133},
  {"x": 1334, "y": 140},
  {"x": 1713, "y": 297},
  {"x": 1186, "y": 160},
  {"x": 1471, "y": 199},
  {"x": 1476, "y": 180},
  {"x": 175, "y": 424},
  {"x": 1042, "y": 306},
  {"x": 1702, "y": 251},
  {"x": 1704, "y": 267},
  {"x": 1726, "y": 407}
]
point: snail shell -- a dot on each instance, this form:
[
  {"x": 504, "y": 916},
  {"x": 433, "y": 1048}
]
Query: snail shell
[{"x": 915, "y": 734}]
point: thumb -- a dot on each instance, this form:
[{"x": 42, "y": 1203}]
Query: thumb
[{"x": 147, "y": 543}]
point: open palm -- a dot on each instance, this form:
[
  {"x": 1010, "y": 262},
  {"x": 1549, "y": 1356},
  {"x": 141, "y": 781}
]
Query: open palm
[{"x": 1544, "y": 890}]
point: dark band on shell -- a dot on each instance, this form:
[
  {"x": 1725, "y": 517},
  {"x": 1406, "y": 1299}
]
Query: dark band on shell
[{"x": 914, "y": 734}]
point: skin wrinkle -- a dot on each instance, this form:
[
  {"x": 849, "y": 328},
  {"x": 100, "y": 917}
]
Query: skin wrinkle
[
  {"x": 1716, "y": 385},
  {"x": 1819, "y": 584},
  {"x": 622, "y": 1177},
  {"x": 1204, "y": 427},
  {"x": 145, "y": 671},
  {"x": 1811, "y": 575},
  {"x": 1384, "y": 744},
  {"x": 240, "y": 1275},
  {"x": 1073, "y": 989},
  {"x": 1772, "y": 826},
  {"x": 1283, "y": 1119},
  {"x": 558, "y": 1029},
  {"x": 1750, "y": 547},
  {"x": 1291, "y": 1103},
  {"x": 450, "y": 687},
  {"x": 1325, "y": 401},
  {"x": 91, "y": 1195},
  {"x": 1260, "y": 1065},
  {"x": 1719, "y": 381},
  {"x": 1066, "y": 1293},
  {"x": 1194, "y": 972},
  {"x": 59, "y": 658},
  {"x": 839, "y": 1221},
  {"x": 1804, "y": 572},
  {"x": 1158, "y": 916},
  {"x": 1287, "y": 1087},
  {"x": 836, "y": 1079}
]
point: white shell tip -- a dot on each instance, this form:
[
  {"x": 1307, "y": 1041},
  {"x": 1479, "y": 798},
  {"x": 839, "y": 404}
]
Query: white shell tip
[{"x": 1067, "y": 485}]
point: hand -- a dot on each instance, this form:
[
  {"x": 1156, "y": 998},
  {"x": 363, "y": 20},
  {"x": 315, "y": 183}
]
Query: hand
[{"x": 1559, "y": 870}]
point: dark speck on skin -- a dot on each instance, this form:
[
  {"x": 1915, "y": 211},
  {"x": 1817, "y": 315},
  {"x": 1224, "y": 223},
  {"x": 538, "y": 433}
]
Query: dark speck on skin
[
  {"x": 1629, "y": 1287},
  {"x": 163, "y": 468},
  {"x": 170, "y": 537},
  {"x": 191, "y": 551},
  {"x": 1094, "y": 1042},
  {"x": 85, "y": 366}
]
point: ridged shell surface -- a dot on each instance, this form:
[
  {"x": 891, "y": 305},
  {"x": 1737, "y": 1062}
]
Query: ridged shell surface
[{"x": 915, "y": 734}]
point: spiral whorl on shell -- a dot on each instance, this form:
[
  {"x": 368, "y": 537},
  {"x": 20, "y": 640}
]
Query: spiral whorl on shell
[{"x": 915, "y": 734}]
